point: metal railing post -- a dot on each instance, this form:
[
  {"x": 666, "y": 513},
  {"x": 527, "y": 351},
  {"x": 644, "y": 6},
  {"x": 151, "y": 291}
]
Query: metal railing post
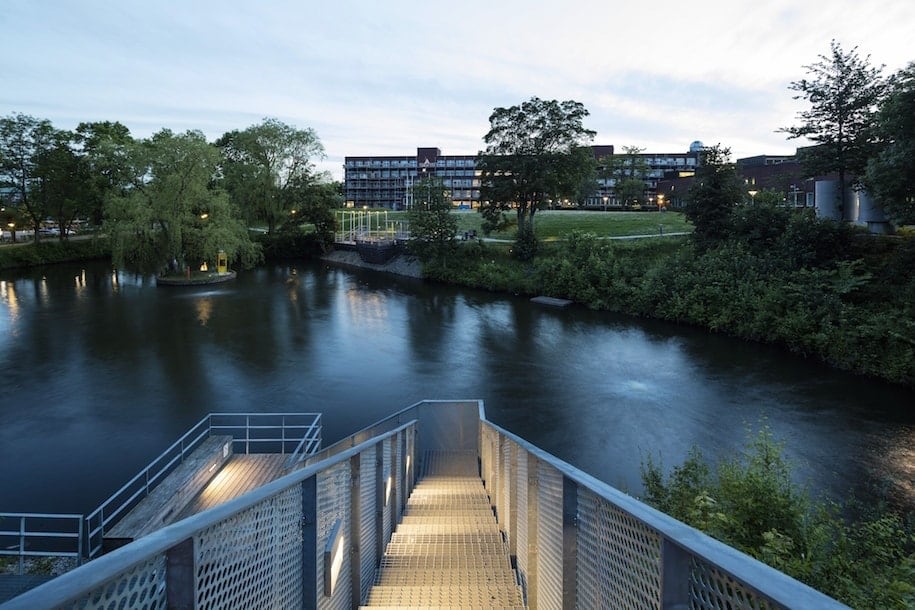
[
  {"x": 181, "y": 576},
  {"x": 675, "y": 571},
  {"x": 355, "y": 522},
  {"x": 309, "y": 543},
  {"x": 513, "y": 500},
  {"x": 569, "y": 543},
  {"x": 392, "y": 474},
  {"x": 21, "y": 545}
]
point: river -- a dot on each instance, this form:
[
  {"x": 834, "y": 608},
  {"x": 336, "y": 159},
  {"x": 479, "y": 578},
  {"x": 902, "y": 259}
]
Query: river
[{"x": 100, "y": 371}]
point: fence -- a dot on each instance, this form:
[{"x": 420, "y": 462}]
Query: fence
[
  {"x": 313, "y": 538},
  {"x": 35, "y": 535}
]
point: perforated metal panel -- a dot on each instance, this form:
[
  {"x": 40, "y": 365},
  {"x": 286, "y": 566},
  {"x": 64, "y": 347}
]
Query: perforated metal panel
[
  {"x": 507, "y": 500},
  {"x": 141, "y": 587},
  {"x": 253, "y": 559},
  {"x": 367, "y": 491},
  {"x": 619, "y": 558},
  {"x": 386, "y": 470},
  {"x": 712, "y": 589},
  {"x": 549, "y": 534},
  {"x": 521, "y": 516},
  {"x": 334, "y": 488}
]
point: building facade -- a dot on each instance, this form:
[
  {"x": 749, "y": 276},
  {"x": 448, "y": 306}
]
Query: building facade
[{"x": 387, "y": 182}]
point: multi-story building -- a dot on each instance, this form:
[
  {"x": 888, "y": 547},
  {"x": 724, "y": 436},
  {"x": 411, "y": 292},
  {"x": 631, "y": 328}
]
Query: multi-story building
[{"x": 387, "y": 182}]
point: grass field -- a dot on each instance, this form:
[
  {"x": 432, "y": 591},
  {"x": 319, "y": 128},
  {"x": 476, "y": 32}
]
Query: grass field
[{"x": 553, "y": 224}]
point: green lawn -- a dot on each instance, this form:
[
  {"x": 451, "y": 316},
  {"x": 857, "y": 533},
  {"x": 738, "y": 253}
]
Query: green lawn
[{"x": 553, "y": 224}]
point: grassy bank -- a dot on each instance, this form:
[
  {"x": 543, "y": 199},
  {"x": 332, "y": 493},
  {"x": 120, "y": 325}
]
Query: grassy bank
[{"x": 48, "y": 252}]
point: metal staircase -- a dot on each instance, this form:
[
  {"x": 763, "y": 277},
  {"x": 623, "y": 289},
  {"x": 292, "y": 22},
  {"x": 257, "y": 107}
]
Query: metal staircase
[{"x": 447, "y": 550}]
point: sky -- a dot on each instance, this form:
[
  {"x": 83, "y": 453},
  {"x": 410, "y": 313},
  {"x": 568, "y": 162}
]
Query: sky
[{"x": 386, "y": 77}]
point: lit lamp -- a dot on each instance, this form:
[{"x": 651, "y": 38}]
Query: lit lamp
[
  {"x": 752, "y": 195},
  {"x": 660, "y": 201},
  {"x": 605, "y": 203}
]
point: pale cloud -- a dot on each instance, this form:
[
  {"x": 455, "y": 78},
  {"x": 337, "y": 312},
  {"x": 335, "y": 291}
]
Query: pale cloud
[{"x": 384, "y": 78}]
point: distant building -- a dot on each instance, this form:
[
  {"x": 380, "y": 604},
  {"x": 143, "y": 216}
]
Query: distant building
[{"x": 387, "y": 182}]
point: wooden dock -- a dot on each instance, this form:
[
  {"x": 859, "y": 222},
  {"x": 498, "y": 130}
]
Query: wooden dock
[{"x": 210, "y": 476}]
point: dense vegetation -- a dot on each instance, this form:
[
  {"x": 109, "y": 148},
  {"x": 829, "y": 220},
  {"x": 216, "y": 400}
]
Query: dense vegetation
[{"x": 749, "y": 502}]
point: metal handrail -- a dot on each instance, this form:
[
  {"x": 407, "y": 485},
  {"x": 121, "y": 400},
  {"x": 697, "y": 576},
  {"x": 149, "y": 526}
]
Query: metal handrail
[
  {"x": 93, "y": 576},
  {"x": 116, "y": 505},
  {"x": 23, "y": 534}
]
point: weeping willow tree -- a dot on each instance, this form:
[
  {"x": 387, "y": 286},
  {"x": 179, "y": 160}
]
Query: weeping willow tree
[{"x": 174, "y": 211}]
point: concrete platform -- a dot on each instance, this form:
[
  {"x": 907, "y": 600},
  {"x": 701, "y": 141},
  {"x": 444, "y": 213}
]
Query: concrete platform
[{"x": 552, "y": 301}]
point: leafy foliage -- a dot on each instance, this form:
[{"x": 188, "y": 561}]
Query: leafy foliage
[
  {"x": 175, "y": 212},
  {"x": 535, "y": 151},
  {"x": 712, "y": 197},
  {"x": 266, "y": 168},
  {"x": 844, "y": 91},
  {"x": 432, "y": 225},
  {"x": 891, "y": 171},
  {"x": 749, "y": 501}
]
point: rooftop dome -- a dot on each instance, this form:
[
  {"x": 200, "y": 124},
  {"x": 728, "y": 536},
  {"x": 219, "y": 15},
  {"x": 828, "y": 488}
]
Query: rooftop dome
[{"x": 696, "y": 146}]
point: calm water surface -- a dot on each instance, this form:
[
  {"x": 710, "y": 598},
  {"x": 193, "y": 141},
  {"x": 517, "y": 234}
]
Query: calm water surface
[{"x": 99, "y": 372}]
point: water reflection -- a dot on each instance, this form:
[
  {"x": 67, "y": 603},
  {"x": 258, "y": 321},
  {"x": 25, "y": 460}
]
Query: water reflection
[{"x": 101, "y": 374}]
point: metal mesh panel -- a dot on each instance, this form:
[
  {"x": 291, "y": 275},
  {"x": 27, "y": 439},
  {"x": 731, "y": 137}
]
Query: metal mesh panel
[
  {"x": 619, "y": 558},
  {"x": 334, "y": 487},
  {"x": 521, "y": 516},
  {"x": 549, "y": 533},
  {"x": 253, "y": 559},
  {"x": 398, "y": 477},
  {"x": 505, "y": 510},
  {"x": 141, "y": 587},
  {"x": 367, "y": 491},
  {"x": 712, "y": 589},
  {"x": 386, "y": 471}
]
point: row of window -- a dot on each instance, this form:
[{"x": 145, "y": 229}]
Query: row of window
[
  {"x": 409, "y": 162},
  {"x": 387, "y": 173}
]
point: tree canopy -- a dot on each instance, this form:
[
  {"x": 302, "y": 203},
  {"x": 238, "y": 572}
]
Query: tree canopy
[
  {"x": 535, "y": 151},
  {"x": 23, "y": 139},
  {"x": 844, "y": 91},
  {"x": 891, "y": 171},
  {"x": 266, "y": 165},
  {"x": 432, "y": 225},
  {"x": 712, "y": 196},
  {"x": 174, "y": 211}
]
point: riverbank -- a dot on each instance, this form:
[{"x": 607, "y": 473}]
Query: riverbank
[{"x": 402, "y": 264}]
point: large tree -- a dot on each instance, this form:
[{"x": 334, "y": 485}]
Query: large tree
[
  {"x": 266, "y": 161},
  {"x": 105, "y": 145},
  {"x": 175, "y": 212},
  {"x": 23, "y": 139},
  {"x": 891, "y": 172},
  {"x": 844, "y": 91},
  {"x": 711, "y": 199},
  {"x": 535, "y": 151},
  {"x": 64, "y": 183}
]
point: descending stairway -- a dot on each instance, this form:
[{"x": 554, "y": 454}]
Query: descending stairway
[{"x": 447, "y": 550}]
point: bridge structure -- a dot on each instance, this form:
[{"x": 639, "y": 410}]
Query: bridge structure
[{"x": 434, "y": 506}]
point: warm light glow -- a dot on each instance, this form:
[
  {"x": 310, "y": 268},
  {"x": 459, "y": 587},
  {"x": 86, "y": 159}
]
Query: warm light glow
[
  {"x": 204, "y": 267},
  {"x": 333, "y": 557},
  {"x": 387, "y": 489},
  {"x": 204, "y": 216}
]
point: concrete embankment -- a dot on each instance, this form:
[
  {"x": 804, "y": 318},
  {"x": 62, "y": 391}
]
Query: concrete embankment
[{"x": 401, "y": 264}]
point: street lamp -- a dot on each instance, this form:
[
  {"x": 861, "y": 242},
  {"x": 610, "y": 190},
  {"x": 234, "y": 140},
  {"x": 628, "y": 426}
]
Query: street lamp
[
  {"x": 660, "y": 201},
  {"x": 605, "y": 203},
  {"x": 752, "y": 195}
]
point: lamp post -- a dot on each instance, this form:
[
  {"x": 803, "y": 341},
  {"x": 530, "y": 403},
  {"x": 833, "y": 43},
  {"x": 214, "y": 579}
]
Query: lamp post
[
  {"x": 605, "y": 203},
  {"x": 660, "y": 201},
  {"x": 752, "y": 195}
]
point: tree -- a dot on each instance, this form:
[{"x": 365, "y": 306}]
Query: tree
[
  {"x": 535, "y": 151},
  {"x": 265, "y": 161},
  {"x": 844, "y": 91},
  {"x": 175, "y": 211},
  {"x": 64, "y": 182},
  {"x": 891, "y": 172},
  {"x": 313, "y": 200},
  {"x": 22, "y": 139},
  {"x": 712, "y": 197},
  {"x": 432, "y": 225},
  {"x": 105, "y": 147}
]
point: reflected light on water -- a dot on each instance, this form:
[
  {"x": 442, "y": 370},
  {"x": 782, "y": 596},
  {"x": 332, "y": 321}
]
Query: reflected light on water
[
  {"x": 204, "y": 310},
  {"x": 368, "y": 310},
  {"x": 9, "y": 298}
]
